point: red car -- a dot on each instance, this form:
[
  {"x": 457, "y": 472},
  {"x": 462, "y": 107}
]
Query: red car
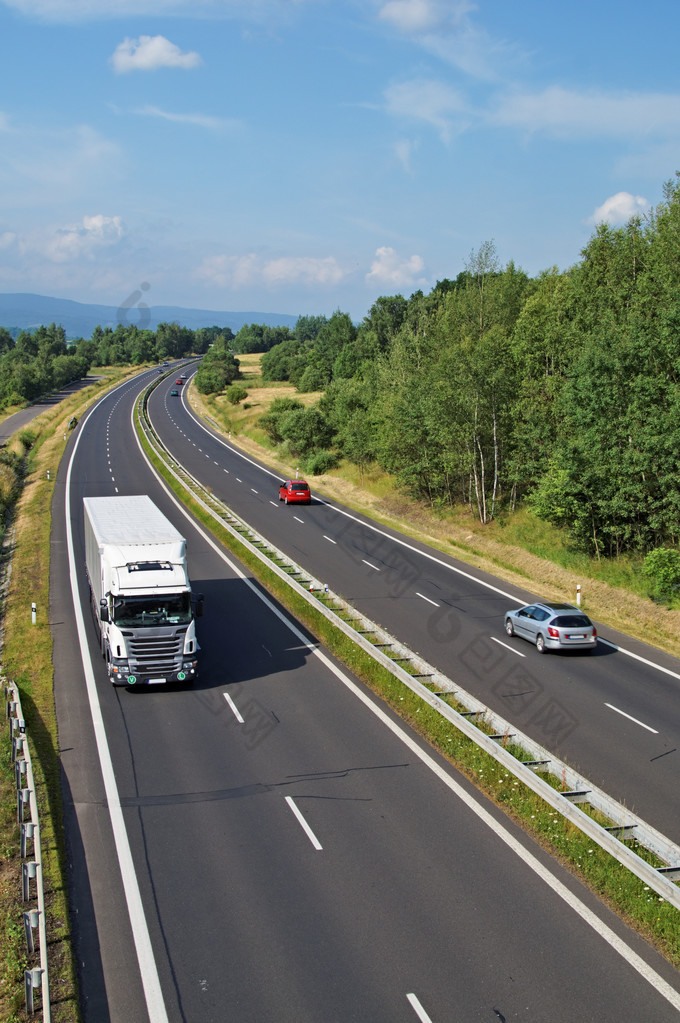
[
  {"x": 295, "y": 492},
  {"x": 180, "y": 382}
]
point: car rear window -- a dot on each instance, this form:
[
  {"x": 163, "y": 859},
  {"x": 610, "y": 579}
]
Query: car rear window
[
  {"x": 299, "y": 486},
  {"x": 572, "y": 622}
]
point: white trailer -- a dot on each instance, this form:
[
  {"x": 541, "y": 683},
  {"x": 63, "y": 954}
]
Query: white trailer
[{"x": 140, "y": 591}]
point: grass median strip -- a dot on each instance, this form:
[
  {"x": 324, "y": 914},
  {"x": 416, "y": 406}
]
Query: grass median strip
[
  {"x": 642, "y": 908},
  {"x": 27, "y": 659}
]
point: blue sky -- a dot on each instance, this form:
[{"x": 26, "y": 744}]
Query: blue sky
[{"x": 300, "y": 156}]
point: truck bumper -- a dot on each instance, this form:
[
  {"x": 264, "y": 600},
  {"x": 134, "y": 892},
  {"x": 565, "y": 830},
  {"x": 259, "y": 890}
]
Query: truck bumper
[{"x": 184, "y": 676}]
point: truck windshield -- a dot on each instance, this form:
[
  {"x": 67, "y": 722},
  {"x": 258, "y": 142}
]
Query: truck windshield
[{"x": 152, "y": 611}]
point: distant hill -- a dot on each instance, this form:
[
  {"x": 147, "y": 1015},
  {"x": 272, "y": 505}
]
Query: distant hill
[{"x": 26, "y": 312}]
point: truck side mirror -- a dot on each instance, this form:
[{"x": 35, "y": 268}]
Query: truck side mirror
[
  {"x": 199, "y": 605},
  {"x": 103, "y": 610}
]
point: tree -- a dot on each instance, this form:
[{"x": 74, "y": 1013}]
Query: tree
[
  {"x": 235, "y": 394},
  {"x": 270, "y": 421},
  {"x": 306, "y": 430},
  {"x": 6, "y": 341}
]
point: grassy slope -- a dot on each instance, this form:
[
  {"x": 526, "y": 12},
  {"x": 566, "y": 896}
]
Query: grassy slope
[
  {"x": 519, "y": 549},
  {"x": 27, "y": 660},
  {"x": 514, "y": 551}
]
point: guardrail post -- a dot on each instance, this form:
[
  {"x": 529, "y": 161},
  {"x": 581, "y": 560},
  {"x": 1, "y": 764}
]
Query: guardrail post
[
  {"x": 23, "y": 802},
  {"x": 32, "y": 980},
  {"x": 17, "y": 747},
  {"x": 31, "y": 919},
  {"x": 20, "y": 773},
  {"x": 28, "y": 870},
  {"x": 27, "y": 832},
  {"x": 11, "y": 712}
]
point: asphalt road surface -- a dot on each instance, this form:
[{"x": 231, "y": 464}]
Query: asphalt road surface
[
  {"x": 26, "y": 415},
  {"x": 273, "y": 845},
  {"x": 613, "y": 714}
]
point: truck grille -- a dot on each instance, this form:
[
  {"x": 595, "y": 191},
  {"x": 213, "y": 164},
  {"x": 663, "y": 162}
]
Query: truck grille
[{"x": 155, "y": 653}]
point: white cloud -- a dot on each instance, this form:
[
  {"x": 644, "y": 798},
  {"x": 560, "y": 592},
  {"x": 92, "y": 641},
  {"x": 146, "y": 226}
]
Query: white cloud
[
  {"x": 404, "y": 150},
  {"x": 7, "y": 239},
  {"x": 303, "y": 270},
  {"x": 389, "y": 269},
  {"x": 427, "y": 100},
  {"x": 68, "y": 244},
  {"x": 442, "y": 27},
  {"x": 619, "y": 208},
  {"x": 242, "y": 271},
  {"x": 418, "y": 15},
  {"x": 567, "y": 113},
  {"x": 199, "y": 120},
  {"x": 77, "y": 10},
  {"x": 70, "y": 11},
  {"x": 45, "y": 167},
  {"x": 148, "y": 53}
]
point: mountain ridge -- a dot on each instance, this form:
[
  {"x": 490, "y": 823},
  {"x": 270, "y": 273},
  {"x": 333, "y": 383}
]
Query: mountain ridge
[{"x": 26, "y": 311}]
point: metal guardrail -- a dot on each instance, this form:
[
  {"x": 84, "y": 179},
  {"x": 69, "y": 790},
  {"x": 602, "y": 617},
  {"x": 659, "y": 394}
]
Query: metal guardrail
[
  {"x": 31, "y": 868},
  {"x": 575, "y": 788}
]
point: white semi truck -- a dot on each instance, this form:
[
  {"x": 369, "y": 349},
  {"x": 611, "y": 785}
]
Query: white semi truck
[{"x": 140, "y": 591}]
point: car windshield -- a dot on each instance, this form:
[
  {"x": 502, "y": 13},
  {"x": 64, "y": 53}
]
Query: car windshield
[
  {"x": 151, "y": 611},
  {"x": 572, "y": 622}
]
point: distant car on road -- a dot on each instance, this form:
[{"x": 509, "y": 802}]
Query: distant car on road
[
  {"x": 295, "y": 492},
  {"x": 174, "y": 393},
  {"x": 179, "y": 381},
  {"x": 552, "y": 627}
]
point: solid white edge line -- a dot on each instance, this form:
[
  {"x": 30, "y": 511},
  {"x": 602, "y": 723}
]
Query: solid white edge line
[
  {"x": 605, "y": 932},
  {"x": 630, "y": 718},
  {"x": 153, "y": 993},
  {"x": 304, "y": 825},
  {"x": 425, "y": 554},
  {"x": 234, "y": 708},
  {"x": 507, "y": 646},
  {"x": 420, "y": 1012}
]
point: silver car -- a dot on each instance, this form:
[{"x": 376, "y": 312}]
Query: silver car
[{"x": 552, "y": 627}]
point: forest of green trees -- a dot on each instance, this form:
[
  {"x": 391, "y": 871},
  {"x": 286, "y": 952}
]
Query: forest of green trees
[
  {"x": 36, "y": 362},
  {"x": 561, "y": 391}
]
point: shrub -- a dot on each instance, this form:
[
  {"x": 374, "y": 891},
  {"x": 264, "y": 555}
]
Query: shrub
[
  {"x": 270, "y": 421},
  {"x": 321, "y": 462},
  {"x": 235, "y": 394},
  {"x": 661, "y": 569}
]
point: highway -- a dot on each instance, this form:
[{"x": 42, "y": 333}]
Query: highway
[
  {"x": 275, "y": 845},
  {"x": 614, "y": 716}
]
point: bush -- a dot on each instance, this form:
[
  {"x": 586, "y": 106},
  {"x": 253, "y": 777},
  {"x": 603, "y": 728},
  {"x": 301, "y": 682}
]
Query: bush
[
  {"x": 235, "y": 394},
  {"x": 321, "y": 462},
  {"x": 270, "y": 421},
  {"x": 661, "y": 569}
]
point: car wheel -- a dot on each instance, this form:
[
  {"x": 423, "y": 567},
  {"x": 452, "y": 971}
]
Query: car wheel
[
  {"x": 509, "y": 627},
  {"x": 540, "y": 644}
]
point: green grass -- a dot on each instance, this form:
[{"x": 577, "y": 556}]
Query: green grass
[
  {"x": 651, "y": 915},
  {"x": 27, "y": 654},
  {"x": 523, "y": 529},
  {"x": 27, "y": 661}
]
